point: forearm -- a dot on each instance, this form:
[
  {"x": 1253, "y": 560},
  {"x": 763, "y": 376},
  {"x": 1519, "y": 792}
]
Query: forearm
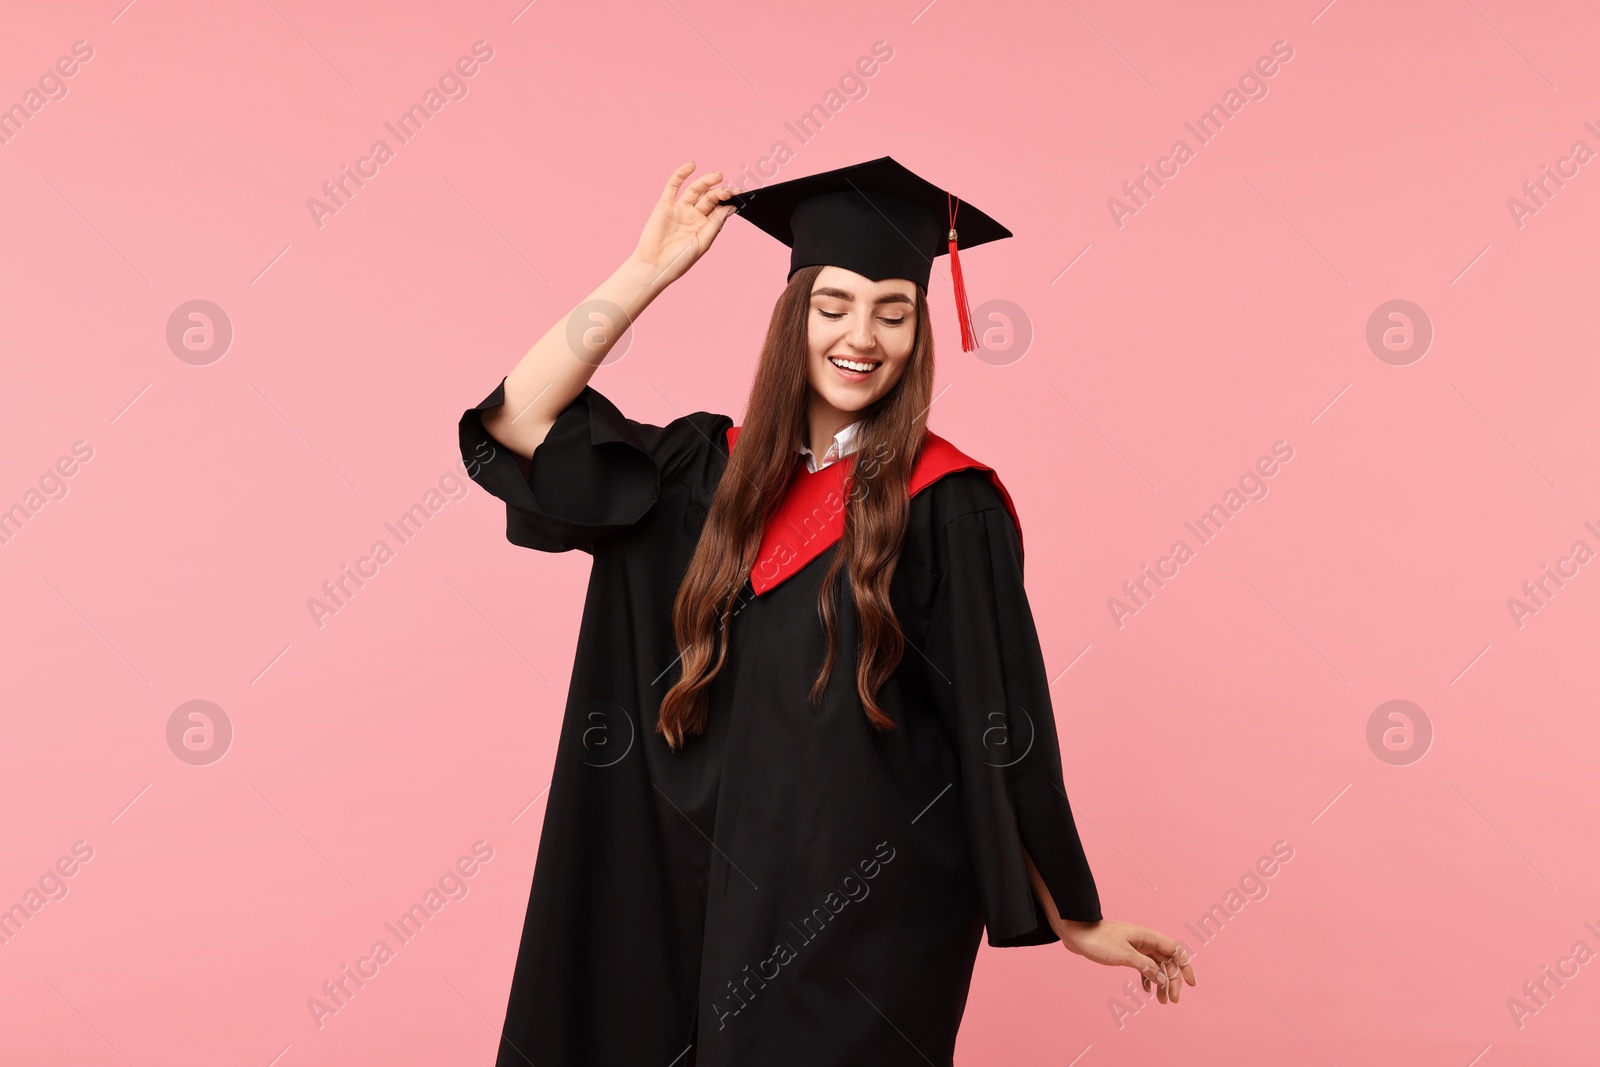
[
  {"x": 555, "y": 370},
  {"x": 1042, "y": 892}
]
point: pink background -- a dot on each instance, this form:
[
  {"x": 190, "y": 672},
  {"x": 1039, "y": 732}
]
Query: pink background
[{"x": 1168, "y": 353}]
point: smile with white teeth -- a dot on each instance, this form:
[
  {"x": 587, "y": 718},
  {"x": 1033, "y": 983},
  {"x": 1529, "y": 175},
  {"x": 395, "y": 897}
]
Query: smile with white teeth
[{"x": 853, "y": 365}]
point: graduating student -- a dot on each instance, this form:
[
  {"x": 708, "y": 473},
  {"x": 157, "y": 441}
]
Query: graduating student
[{"x": 808, "y": 756}]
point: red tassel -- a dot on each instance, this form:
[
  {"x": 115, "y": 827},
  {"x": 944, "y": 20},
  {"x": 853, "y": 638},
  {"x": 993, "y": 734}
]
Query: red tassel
[{"x": 969, "y": 341}]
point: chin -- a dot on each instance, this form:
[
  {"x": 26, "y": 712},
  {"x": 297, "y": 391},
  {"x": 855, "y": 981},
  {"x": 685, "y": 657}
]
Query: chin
[
  {"x": 849, "y": 399},
  {"x": 844, "y": 398}
]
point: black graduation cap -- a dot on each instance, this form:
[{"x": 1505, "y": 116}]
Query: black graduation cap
[{"x": 875, "y": 218}]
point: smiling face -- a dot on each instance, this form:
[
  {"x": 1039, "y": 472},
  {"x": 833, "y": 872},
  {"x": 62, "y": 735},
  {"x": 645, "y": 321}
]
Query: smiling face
[{"x": 859, "y": 337}]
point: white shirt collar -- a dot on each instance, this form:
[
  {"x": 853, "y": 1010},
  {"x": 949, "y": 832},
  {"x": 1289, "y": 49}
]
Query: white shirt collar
[{"x": 844, "y": 443}]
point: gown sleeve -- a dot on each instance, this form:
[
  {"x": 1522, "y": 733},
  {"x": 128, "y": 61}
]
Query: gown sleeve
[
  {"x": 596, "y": 471},
  {"x": 989, "y": 680}
]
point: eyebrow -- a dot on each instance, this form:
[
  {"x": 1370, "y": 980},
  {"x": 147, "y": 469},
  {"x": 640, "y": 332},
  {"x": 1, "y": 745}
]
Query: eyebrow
[{"x": 887, "y": 298}]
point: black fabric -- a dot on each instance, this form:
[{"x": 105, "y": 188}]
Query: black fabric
[
  {"x": 873, "y": 234},
  {"x": 813, "y": 890},
  {"x": 876, "y": 218},
  {"x": 596, "y": 472}
]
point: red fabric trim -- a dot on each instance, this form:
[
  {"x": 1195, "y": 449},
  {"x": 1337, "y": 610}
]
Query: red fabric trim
[{"x": 810, "y": 518}]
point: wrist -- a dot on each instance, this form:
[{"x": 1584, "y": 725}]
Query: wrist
[
  {"x": 1070, "y": 931},
  {"x": 644, "y": 279}
]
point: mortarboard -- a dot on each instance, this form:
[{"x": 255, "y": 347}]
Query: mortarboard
[{"x": 875, "y": 218}]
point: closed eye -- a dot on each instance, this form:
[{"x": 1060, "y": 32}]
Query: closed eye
[{"x": 841, "y": 314}]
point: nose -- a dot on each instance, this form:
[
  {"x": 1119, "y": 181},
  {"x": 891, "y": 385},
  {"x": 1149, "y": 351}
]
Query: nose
[{"x": 862, "y": 338}]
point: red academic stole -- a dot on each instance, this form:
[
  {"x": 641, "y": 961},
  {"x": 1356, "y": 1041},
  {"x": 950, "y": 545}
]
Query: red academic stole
[{"x": 810, "y": 518}]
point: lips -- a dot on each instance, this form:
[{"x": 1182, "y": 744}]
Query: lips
[{"x": 854, "y": 370}]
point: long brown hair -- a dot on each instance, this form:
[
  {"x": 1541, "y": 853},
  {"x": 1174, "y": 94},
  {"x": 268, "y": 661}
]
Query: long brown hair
[{"x": 890, "y": 438}]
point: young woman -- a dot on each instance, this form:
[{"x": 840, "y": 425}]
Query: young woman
[{"x": 808, "y": 756}]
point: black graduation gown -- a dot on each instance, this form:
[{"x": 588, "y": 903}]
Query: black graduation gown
[{"x": 791, "y": 887}]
